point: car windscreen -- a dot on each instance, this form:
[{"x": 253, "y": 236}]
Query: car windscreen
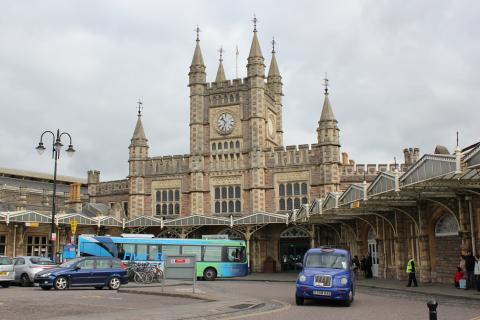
[
  {"x": 326, "y": 260},
  {"x": 5, "y": 261},
  {"x": 42, "y": 261},
  {"x": 70, "y": 263}
]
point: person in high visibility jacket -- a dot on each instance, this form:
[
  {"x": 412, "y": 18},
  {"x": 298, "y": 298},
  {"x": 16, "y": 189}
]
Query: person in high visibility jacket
[{"x": 411, "y": 273}]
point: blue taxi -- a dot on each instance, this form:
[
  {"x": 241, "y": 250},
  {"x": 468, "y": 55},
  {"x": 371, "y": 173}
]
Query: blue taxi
[{"x": 327, "y": 274}]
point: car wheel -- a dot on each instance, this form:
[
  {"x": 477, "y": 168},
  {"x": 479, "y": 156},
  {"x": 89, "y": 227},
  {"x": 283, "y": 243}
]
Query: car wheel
[
  {"x": 299, "y": 301},
  {"x": 350, "y": 299},
  {"x": 209, "y": 274},
  {"x": 99, "y": 288},
  {"x": 46, "y": 288},
  {"x": 60, "y": 283},
  {"x": 114, "y": 283},
  {"x": 25, "y": 280},
  {"x": 5, "y": 284}
]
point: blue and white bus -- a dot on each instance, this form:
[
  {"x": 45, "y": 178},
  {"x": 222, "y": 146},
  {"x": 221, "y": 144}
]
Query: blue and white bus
[{"x": 215, "y": 258}]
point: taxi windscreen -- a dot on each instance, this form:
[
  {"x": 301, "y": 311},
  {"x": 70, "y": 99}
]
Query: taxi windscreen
[{"x": 326, "y": 260}]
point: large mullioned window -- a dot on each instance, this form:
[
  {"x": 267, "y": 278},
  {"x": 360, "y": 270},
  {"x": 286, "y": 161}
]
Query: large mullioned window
[
  {"x": 167, "y": 202},
  {"x": 292, "y": 195},
  {"x": 227, "y": 199}
]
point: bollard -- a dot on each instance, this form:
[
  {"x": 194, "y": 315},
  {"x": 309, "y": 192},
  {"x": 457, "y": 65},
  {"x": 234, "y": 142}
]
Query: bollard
[{"x": 432, "y": 309}]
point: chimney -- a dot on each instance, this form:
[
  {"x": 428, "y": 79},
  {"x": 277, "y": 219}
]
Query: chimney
[{"x": 345, "y": 158}]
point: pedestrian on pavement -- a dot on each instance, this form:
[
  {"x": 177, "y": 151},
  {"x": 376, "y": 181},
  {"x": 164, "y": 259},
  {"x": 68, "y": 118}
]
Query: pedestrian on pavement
[
  {"x": 363, "y": 262},
  {"x": 477, "y": 271},
  {"x": 469, "y": 269},
  {"x": 355, "y": 265},
  {"x": 368, "y": 266},
  {"x": 411, "y": 266},
  {"x": 458, "y": 277}
]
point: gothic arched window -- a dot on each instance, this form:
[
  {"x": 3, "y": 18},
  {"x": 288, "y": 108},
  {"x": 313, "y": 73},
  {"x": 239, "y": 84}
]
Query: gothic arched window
[
  {"x": 227, "y": 199},
  {"x": 237, "y": 144},
  {"x": 446, "y": 226}
]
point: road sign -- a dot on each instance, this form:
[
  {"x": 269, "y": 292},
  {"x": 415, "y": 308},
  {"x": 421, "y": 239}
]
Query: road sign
[
  {"x": 54, "y": 237},
  {"x": 73, "y": 226},
  {"x": 180, "y": 267}
]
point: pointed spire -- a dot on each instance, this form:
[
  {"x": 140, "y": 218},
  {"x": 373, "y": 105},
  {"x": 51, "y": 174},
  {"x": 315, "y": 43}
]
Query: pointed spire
[
  {"x": 197, "y": 55},
  {"x": 327, "y": 113},
  {"x": 273, "y": 71},
  {"x": 255, "y": 50},
  {"x": 220, "y": 72},
  {"x": 139, "y": 138}
]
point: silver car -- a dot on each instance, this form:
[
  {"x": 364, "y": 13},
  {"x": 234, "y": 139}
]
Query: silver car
[
  {"x": 27, "y": 266},
  {"x": 7, "y": 274}
]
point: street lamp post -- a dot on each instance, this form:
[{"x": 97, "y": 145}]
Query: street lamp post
[{"x": 56, "y": 147}]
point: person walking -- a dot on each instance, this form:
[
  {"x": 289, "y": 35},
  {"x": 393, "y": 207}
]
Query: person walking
[
  {"x": 476, "y": 272},
  {"x": 356, "y": 265},
  {"x": 363, "y": 262},
  {"x": 469, "y": 270},
  {"x": 368, "y": 266},
  {"x": 411, "y": 266}
]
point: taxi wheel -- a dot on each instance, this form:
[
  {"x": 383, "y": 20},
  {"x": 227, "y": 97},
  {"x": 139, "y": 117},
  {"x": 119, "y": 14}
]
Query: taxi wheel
[
  {"x": 60, "y": 283},
  {"x": 299, "y": 300},
  {"x": 349, "y": 301}
]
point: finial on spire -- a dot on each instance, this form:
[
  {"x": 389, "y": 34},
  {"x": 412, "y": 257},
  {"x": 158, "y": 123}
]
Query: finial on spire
[
  {"x": 395, "y": 162},
  {"x": 255, "y": 20},
  {"x": 221, "y": 51},
  {"x": 140, "y": 107},
  {"x": 325, "y": 83},
  {"x": 197, "y": 30},
  {"x": 273, "y": 44}
]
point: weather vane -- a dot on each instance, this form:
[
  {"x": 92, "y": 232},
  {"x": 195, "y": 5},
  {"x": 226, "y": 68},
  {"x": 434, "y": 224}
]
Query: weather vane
[
  {"x": 325, "y": 83},
  {"x": 273, "y": 44},
  {"x": 221, "y": 51},
  {"x": 197, "y": 30},
  {"x": 140, "y": 106},
  {"x": 255, "y": 20}
]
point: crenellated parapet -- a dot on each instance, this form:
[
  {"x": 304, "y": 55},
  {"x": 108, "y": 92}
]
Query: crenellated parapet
[
  {"x": 111, "y": 187},
  {"x": 282, "y": 156},
  {"x": 169, "y": 164}
]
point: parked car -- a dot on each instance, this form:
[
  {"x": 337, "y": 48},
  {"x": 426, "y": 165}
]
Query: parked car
[
  {"x": 327, "y": 273},
  {"x": 98, "y": 272},
  {"x": 6, "y": 271},
  {"x": 27, "y": 266}
]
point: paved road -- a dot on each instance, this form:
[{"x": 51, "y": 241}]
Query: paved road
[
  {"x": 21, "y": 303},
  {"x": 369, "y": 304}
]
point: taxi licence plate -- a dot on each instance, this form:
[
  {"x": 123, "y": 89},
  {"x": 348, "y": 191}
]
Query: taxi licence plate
[
  {"x": 3, "y": 273},
  {"x": 322, "y": 293}
]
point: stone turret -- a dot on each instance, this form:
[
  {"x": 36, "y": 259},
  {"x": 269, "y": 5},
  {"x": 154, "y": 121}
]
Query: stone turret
[
  {"x": 220, "y": 72},
  {"x": 137, "y": 168},
  {"x": 274, "y": 83},
  {"x": 197, "y": 83}
]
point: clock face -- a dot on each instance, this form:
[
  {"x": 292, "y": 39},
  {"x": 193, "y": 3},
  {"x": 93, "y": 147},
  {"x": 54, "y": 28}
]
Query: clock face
[{"x": 225, "y": 123}]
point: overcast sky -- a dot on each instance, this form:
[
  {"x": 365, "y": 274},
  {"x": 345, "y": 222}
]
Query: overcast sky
[{"x": 402, "y": 73}]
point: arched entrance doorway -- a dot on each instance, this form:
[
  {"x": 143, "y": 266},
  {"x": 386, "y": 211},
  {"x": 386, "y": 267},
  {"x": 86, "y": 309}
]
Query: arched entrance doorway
[
  {"x": 373, "y": 249},
  {"x": 447, "y": 247},
  {"x": 294, "y": 242}
]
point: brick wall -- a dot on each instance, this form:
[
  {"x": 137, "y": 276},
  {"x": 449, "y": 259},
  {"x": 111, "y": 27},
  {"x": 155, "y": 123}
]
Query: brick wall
[{"x": 447, "y": 258}]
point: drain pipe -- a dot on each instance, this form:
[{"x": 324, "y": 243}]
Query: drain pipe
[
  {"x": 14, "y": 240},
  {"x": 472, "y": 227}
]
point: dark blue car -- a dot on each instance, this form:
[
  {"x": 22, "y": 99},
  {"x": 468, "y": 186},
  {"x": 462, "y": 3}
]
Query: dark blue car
[
  {"x": 326, "y": 274},
  {"x": 95, "y": 272}
]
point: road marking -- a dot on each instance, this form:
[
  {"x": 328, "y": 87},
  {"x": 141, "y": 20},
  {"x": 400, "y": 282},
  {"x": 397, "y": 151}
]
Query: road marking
[
  {"x": 285, "y": 306},
  {"x": 476, "y": 318}
]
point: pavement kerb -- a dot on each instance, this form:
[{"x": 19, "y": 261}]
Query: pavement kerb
[
  {"x": 168, "y": 294},
  {"x": 438, "y": 294}
]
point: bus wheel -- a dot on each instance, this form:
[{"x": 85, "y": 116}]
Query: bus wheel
[{"x": 209, "y": 274}]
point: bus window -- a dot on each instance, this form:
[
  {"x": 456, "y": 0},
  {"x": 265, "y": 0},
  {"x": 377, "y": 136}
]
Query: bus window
[
  {"x": 170, "y": 249},
  {"x": 141, "y": 253},
  {"x": 235, "y": 254},
  {"x": 128, "y": 251},
  {"x": 212, "y": 253},
  {"x": 154, "y": 253},
  {"x": 196, "y": 250}
]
